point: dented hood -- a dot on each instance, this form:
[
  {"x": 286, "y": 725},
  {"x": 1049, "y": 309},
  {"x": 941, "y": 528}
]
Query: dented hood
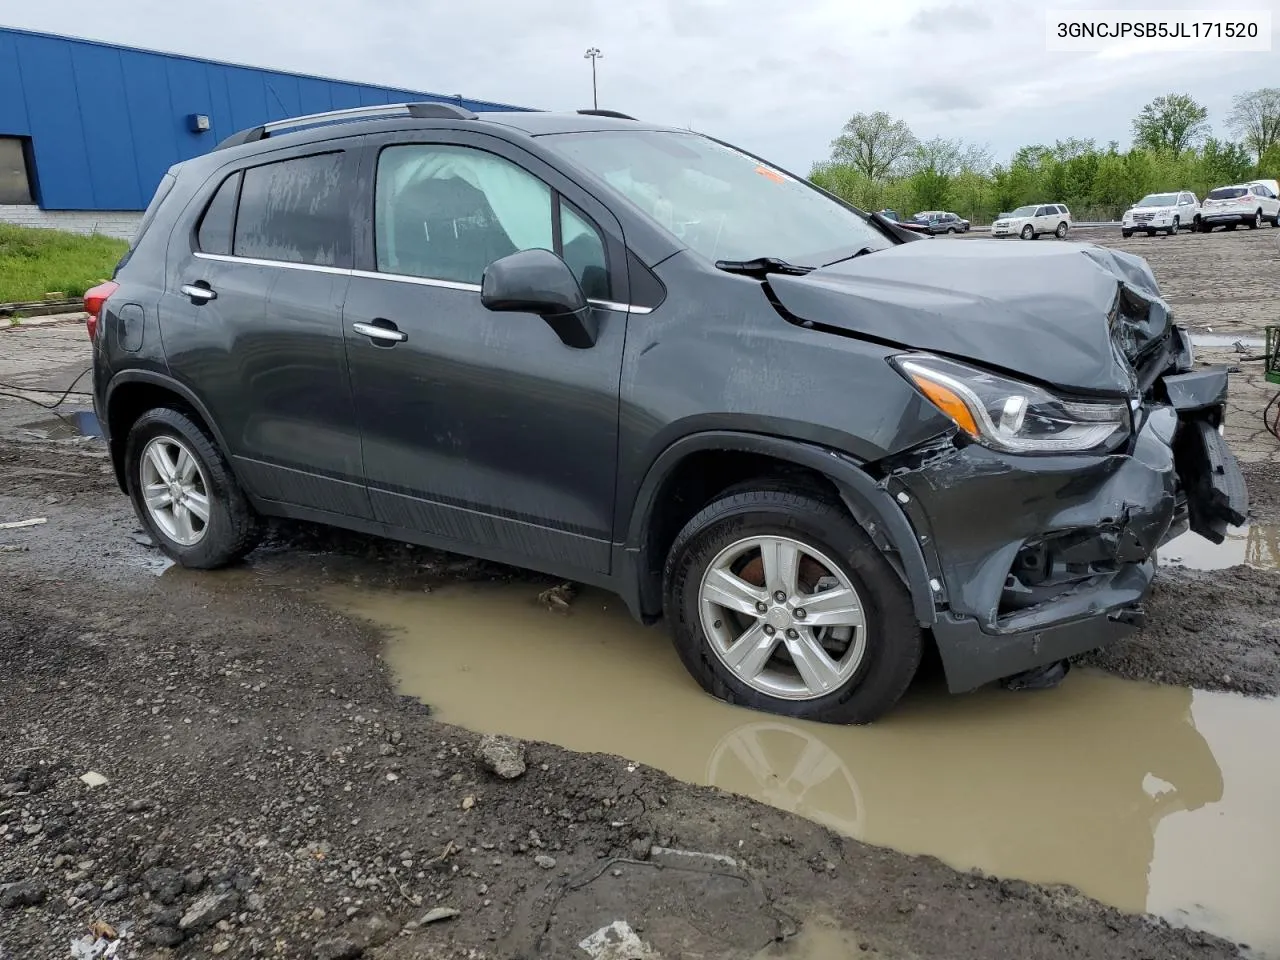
[{"x": 1042, "y": 310}]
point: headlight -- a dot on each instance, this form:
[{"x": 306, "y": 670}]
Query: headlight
[{"x": 1011, "y": 416}]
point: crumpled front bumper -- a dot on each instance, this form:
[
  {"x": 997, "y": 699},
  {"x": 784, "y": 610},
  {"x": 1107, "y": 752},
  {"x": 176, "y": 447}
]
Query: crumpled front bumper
[{"x": 1040, "y": 558}]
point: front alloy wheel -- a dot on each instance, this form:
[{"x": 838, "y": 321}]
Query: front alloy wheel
[
  {"x": 778, "y": 600},
  {"x": 782, "y": 617}
]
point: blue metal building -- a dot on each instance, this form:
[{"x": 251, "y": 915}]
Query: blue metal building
[{"x": 89, "y": 126}]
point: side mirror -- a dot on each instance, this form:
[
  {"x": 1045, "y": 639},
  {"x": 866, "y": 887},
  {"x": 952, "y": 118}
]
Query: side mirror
[{"x": 537, "y": 281}]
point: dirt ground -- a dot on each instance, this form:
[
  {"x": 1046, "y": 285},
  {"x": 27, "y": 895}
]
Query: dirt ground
[{"x": 268, "y": 793}]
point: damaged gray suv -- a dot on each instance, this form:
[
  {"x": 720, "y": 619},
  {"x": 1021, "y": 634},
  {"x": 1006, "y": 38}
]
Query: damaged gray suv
[{"x": 641, "y": 359}]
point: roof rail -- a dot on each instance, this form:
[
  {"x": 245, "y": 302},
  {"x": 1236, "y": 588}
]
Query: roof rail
[
  {"x": 606, "y": 113},
  {"x": 426, "y": 110}
]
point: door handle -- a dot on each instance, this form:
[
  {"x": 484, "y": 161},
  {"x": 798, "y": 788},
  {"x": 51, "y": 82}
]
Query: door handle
[
  {"x": 386, "y": 334},
  {"x": 199, "y": 292}
]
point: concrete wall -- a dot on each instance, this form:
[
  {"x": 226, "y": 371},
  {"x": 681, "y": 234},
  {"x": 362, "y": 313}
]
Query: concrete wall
[{"x": 112, "y": 223}]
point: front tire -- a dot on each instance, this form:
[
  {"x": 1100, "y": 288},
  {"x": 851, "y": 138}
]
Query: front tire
[
  {"x": 1028, "y": 233},
  {"x": 744, "y": 588},
  {"x": 1173, "y": 231},
  {"x": 184, "y": 492}
]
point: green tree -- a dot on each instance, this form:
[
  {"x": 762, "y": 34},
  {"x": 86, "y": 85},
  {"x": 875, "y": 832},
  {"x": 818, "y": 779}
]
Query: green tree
[
  {"x": 1173, "y": 122},
  {"x": 1255, "y": 118},
  {"x": 875, "y": 144}
]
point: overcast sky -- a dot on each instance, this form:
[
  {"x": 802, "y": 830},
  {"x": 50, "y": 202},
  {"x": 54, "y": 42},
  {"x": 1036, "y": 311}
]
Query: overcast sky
[{"x": 776, "y": 78}]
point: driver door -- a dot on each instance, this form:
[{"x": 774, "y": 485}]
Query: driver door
[{"x": 482, "y": 430}]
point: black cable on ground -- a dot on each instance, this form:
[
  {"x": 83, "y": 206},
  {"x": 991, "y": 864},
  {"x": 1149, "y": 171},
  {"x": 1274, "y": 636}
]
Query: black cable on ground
[{"x": 48, "y": 406}]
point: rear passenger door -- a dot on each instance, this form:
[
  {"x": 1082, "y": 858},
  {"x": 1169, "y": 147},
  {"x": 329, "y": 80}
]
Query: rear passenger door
[
  {"x": 252, "y": 323},
  {"x": 483, "y": 430}
]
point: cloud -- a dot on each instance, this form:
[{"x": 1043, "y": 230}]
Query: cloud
[
  {"x": 778, "y": 84},
  {"x": 946, "y": 96},
  {"x": 953, "y": 18}
]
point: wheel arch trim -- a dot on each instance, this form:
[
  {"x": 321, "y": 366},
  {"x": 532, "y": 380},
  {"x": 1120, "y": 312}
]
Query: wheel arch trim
[
  {"x": 870, "y": 504},
  {"x": 174, "y": 386}
]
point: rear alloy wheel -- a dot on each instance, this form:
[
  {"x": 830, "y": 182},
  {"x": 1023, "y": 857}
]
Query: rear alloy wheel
[
  {"x": 1061, "y": 232},
  {"x": 1028, "y": 233},
  {"x": 1256, "y": 222},
  {"x": 779, "y": 602},
  {"x": 184, "y": 493}
]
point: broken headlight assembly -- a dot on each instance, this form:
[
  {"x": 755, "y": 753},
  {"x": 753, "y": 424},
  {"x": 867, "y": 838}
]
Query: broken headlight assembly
[{"x": 1013, "y": 416}]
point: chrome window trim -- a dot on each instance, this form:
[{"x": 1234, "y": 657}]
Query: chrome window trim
[{"x": 396, "y": 278}]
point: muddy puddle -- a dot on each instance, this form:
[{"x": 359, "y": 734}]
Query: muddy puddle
[
  {"x": 1156, "y": 799},
  {"x": 1256, "y": 545},
  {"x": 65, "y": 426}
]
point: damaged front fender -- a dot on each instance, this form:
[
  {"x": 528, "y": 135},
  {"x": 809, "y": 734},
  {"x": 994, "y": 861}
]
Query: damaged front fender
[{"x": 1037, "y": 547}]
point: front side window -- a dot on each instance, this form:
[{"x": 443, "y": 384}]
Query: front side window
[
  {"x": 720, "y": 202},
  {"x": 295, "y": 211},
  {"x": 446, "y": 212}
]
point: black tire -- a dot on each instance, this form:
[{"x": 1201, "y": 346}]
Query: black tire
[
  {"x": 233, "y": 528},
  {"x": 1061, "y": 232},
  {"x": 1229, "y": 226},
  {"x": 1173, "y": 230},
  {"x": 1206, "y": 227},
  {"x": 1256, "y": 222},
  {"x": 1151, "y": 233},
  {"x": 1028, "y": 232},
  {"x": 895, "y": 640},
  {"x": 1196, "y": 225},
  {"x": 1126, "y": 234}
]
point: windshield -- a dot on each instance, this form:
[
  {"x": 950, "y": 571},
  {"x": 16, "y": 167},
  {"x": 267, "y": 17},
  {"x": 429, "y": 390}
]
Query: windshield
[
  {"x": 723, "y": 204},
  {"x": 1025, "y": 212},
  {"x": 1227, "y": 193},
  {"x": 1159, "y": 200}
]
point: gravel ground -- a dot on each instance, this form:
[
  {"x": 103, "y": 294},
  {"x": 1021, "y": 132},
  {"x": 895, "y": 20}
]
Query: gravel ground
[{"x": 267, "y": 793}]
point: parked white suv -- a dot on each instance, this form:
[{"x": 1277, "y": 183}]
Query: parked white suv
[
  {"x": 1251, "y": 204},
  {"x": 1033, "y": 220},
  {"x": 1167, "y": 212}
]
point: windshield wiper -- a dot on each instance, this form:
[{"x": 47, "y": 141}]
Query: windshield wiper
[
  {"x": 761, "y": 267},
  {"x": 853, "y": 256}
]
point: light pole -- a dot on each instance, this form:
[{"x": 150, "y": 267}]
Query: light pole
[{"x": 593, "y": 54}]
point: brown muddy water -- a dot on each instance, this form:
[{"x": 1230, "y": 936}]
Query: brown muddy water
[
  {"x": 1155, "y": 799},
  {"x": 1256, "y": 545}
]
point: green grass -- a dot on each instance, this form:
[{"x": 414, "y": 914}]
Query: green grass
[{"x": 34, "y": 262}]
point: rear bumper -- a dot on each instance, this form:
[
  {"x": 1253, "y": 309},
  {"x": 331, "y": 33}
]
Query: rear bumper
[
  {"x": 1042, "y": 558},
  {"x": 1221, "y": 218}
]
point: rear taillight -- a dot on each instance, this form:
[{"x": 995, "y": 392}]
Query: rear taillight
[{"x": 94, "y": 299}]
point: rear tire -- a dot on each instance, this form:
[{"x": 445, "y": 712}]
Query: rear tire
[
  {"x": 879, "y": 657},
  {"x": 164, "y": 441},
  {"x": 1256, "y": 222},
  {"x": 1126, "y": 234},
  {"x": 1061, "y": 232},
  {"x": 1229, "y": 226}
]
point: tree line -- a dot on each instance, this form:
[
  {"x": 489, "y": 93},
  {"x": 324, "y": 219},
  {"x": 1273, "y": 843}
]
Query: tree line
[{"x": 877, "y": 162}]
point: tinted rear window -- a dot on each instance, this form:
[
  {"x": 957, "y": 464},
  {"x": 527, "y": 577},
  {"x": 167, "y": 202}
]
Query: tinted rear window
[
  {"x": 219, "y": 218},
  {"x": 1227, "y": 193},
  {"x": 297, "y": 211}
]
